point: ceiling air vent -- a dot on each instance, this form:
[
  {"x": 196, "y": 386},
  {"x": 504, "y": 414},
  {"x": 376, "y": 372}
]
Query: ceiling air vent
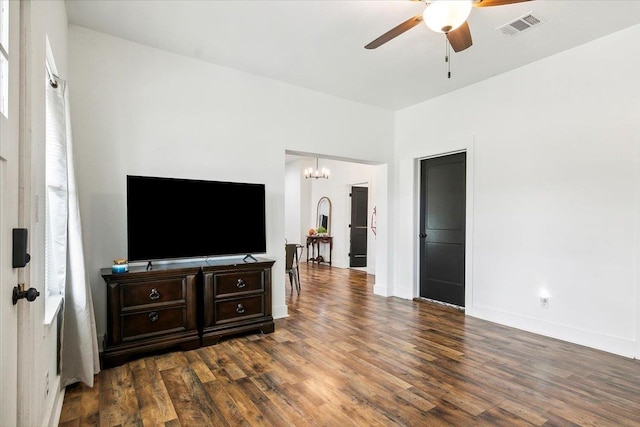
[{"x": 520, "y": 25}]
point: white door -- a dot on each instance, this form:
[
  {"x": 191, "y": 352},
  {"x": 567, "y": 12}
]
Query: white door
[
  {"x": 9, "y": 207},
  {"x": 8, "y": 279}
]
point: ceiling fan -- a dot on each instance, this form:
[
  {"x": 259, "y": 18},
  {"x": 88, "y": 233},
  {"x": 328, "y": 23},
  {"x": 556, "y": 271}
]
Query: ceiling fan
[{"x": 443, "y": 16}]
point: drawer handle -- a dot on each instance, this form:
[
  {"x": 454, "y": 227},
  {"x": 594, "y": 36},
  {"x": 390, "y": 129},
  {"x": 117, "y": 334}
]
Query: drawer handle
[
  {"x": 241, "y": 284},
  {"x": 239, "y": 309},
  {"x": 154, "y": 294},
  {"x": 153, "y": 316}
]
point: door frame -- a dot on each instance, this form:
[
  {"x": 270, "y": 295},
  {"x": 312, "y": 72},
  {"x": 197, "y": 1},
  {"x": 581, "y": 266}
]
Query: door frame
[{"x": 445, "y": 149}]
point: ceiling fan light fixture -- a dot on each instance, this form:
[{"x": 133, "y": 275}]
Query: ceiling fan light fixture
[{"x": 443, "y": 16}]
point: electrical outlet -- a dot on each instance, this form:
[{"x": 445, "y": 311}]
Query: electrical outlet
[
  {"x": 46, "y": 385},
  {"x": 544, "y": 302}
]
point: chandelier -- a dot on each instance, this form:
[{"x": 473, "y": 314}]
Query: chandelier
[{"x": 317, "y": 173}]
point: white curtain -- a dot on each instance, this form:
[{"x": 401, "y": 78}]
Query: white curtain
[{"x": 66, "y": 272}]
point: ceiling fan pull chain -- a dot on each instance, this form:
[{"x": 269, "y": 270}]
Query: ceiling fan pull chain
[
  {"x": 447, "y": 57},
  {"x": 446, "y": 49}
]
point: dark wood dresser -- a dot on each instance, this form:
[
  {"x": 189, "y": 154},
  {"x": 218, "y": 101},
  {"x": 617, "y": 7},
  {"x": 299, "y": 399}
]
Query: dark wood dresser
[{"x": 184, "y": 305}]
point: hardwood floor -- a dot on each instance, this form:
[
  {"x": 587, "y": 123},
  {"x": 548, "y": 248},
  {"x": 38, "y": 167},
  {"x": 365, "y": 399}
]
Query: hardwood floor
[{"x": 346, "y": 357}]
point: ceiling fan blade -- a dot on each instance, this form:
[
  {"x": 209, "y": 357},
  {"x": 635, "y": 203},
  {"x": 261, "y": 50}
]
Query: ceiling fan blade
[
  {"x": 460, "y": 38},
  {"x": 395, "y": 32},
  {"x": 487, "y": 3}
]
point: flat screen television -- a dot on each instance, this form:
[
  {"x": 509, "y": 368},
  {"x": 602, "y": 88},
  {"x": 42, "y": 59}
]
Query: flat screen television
[{"x": 171, "y": 218}]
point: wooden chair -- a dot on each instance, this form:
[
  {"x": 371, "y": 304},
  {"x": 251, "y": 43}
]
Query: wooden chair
[{"x": 293, "y": 252}]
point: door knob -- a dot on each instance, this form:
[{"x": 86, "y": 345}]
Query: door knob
[
  {"x": 423, "y": 235},
  {"x": 30, "y": 294}
]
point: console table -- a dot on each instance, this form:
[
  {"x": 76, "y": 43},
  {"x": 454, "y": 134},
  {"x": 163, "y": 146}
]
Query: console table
[{"x": 315, "y": 242}]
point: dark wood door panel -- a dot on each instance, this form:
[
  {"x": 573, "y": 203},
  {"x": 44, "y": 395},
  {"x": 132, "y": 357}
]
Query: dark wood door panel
[
  {"x": 442, "y": 228},
  {"x": 445, "y": 262},
  {"x": 359, "y": 229},
  {"x": 445, "y": 210},
  {"x": 448, "y": 292}
]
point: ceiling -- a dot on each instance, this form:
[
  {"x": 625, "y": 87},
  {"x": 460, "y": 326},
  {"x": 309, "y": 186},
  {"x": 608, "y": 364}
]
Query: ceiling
[{"x": 319, "y": 45}]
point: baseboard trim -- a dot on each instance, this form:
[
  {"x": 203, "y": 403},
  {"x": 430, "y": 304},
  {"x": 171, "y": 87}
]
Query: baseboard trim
[
  {"x": 280, "y": 311},
  {"x": 381, "y": 290},
  {"x": 56, "y": 410},
  {"x": 598, "y": 341}
]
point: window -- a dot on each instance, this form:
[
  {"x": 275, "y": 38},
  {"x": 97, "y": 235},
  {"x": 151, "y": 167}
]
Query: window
[
  {"x": 56, "y": 208},
  {"x": 56, "y": 194}
]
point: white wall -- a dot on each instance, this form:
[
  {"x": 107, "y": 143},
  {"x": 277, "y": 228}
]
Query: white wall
[
  {"x": 555, "y": 183},
  {"x": 383, "y": 241},
  {"x": 139, "y": 110},
  {"x": 293, "y": 203}
]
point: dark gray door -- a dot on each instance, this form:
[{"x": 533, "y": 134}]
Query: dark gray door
[
  {"x": 442, "y": 228},
  {"x": 358, "y": 248}
]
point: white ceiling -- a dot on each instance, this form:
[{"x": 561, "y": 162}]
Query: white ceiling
[{"x": 319, "y": 44}]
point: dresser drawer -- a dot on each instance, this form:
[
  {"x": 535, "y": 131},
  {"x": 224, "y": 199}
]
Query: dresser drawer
[
  {"x": 239, "y": 308},
  {"x": 159, "y": 291},
  {"x": 153, "y": 322},
  {"x": 238, "y": 282}
]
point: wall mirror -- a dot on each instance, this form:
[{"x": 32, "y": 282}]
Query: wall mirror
[{"x": 323, "y": 216}]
